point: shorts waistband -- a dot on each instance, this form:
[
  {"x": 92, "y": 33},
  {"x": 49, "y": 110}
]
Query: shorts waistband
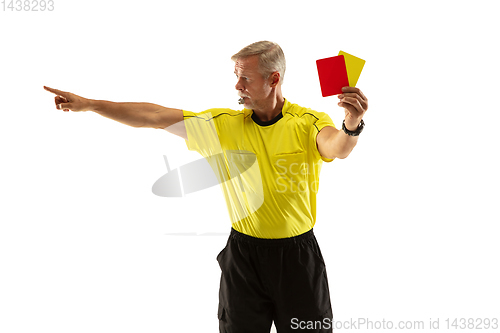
[{"x": 236, "y": 235}]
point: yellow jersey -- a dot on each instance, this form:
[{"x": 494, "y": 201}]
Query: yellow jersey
[{"x": 268, "y": 171}]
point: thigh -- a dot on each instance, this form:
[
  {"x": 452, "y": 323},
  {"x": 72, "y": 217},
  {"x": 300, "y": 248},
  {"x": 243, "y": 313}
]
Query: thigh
[
  {"x": 244, "y": 305},
  {"x": 302, "y": 291}
]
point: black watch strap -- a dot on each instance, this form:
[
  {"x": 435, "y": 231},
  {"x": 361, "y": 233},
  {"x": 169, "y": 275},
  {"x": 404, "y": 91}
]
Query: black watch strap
[{"x": 357, "y": 131}]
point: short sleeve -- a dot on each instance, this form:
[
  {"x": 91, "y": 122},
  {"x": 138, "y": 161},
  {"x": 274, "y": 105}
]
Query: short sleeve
[
  {"x": 322, "y": 120},
  {"x": 202, "y": 132}
]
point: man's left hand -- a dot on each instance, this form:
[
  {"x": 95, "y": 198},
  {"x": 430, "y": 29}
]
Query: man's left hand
[{"x": 355, "y": 105}]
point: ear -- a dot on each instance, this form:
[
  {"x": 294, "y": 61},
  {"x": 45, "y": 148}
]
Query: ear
[{"x": 274, "y": 79}]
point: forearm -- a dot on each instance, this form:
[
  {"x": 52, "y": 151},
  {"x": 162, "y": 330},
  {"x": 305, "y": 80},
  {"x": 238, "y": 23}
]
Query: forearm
[
  {"x": 128, "y": 113},
  {"x": 343, "y": 144}
]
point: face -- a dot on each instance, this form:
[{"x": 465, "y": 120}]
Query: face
[{"x": 254, "y": 89}]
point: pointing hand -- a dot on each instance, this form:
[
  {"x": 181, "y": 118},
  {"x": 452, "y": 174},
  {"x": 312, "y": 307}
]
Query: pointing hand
[{"x": 67, "y": 101}]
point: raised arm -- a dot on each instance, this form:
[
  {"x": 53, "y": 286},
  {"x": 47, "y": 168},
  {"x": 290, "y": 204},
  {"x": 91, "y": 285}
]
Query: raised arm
[
  {"x": 145, "y": 115},
  {"x": 333, "y": 143}
]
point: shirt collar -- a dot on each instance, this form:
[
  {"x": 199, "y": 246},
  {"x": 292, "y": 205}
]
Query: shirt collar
[{"x": 285, "y": 107}]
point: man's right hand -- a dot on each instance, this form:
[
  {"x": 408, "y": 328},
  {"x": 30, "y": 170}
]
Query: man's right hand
[
  {"x": 146, "y": 115},
  {"x": 67, "y": 101}
]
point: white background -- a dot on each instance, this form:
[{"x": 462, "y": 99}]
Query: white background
[{"x": 408, "y": 223}]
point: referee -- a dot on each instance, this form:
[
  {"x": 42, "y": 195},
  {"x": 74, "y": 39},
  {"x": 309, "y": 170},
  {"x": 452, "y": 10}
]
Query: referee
[{"x": 272, "y": 153}]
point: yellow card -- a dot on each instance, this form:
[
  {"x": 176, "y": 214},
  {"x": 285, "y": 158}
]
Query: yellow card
[{"x": 354, "y": 66}]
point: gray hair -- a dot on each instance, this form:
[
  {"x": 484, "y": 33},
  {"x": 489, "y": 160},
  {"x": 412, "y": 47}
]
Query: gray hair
[{"x": 271, "y": 58}]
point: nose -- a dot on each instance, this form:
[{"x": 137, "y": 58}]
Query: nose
[{"x": 239, "y": 85}]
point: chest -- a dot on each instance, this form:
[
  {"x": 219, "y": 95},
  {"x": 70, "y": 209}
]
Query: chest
[{"x": 284, "y": 137}]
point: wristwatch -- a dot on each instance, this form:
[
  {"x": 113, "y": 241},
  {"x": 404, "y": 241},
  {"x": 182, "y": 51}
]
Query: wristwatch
[{"x": 357, "y": 131}]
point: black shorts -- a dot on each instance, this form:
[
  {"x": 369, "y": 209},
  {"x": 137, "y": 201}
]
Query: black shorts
[{"x": 264, "y": 280}]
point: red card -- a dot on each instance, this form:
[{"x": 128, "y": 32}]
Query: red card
[{"x": 332, "y": 74}]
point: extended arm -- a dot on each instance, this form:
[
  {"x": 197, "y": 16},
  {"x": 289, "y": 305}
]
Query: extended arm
[{"x": 146, "y": 115}]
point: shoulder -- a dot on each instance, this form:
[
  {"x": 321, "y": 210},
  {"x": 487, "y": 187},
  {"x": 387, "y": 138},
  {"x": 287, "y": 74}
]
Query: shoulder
[
  {"x": 224, "y": 112},
  {"x": 307, "y": 114},
  {"x": 214, "y": 113}
]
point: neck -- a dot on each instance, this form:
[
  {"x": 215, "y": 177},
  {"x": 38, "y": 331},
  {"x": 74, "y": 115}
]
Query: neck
[{"x": 272, "y": 108}]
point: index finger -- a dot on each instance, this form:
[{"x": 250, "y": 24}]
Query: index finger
[
  {"x": 354, "y": 90},
  {"x": 55, "y": 91}
]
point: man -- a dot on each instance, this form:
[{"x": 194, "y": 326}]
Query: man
[{"x": 272, "y": 267}]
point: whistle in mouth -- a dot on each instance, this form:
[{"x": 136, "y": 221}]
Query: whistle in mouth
[{"x": 241, "y": 101}]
